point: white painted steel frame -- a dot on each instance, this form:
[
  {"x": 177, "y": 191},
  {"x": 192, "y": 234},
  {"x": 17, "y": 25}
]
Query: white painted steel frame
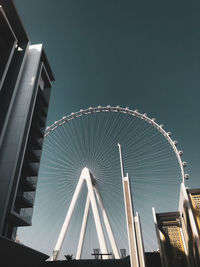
[
  {"x": 134, "y": 257},
  {"x": 100, "y": 234},
  {"x": 139, "y": 238},
  {"x": 130, "y": 112},
  {"x": 133, "y": 248},
  {"x": 107, "y": 225},
  {"x": 83, "y": 228},
  {"x": 92, "y": 190},
  {"x": 67, "y": 220}
]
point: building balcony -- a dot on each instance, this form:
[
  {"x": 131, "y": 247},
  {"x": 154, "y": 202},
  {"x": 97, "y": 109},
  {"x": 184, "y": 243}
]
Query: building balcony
[
  {"x": 24, "y": 200},
  {"x": 28, "y": 184},
  {"x": 42, "y": 98},
  {"x": 36, "y": 142},
  {"x": 42, "y": 120},
  {"x": 33, "y": 168},
  {"x": 32, "y": 182},
  {"x": 35, "y": 155},
  {"x": 21, "y": 218},
  {"x": 39, "y": 119},
  {"x": 39, "y": 130}
]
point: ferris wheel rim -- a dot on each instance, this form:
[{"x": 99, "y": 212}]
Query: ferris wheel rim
[{"x": 127, "y": 111}]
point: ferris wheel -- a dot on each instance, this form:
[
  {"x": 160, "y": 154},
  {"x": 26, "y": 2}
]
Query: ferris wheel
[{"x": 89, "y": 138}]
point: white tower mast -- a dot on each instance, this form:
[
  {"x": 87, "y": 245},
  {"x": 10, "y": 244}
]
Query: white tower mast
[{"x": 133, "y": 225}]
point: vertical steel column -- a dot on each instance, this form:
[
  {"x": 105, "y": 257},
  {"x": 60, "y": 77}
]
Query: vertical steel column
[
  {"x": 129, "y": 216},
  {"x": 139, "y": 238}
]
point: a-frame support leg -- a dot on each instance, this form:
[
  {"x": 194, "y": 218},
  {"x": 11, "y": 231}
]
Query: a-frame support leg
[
  {"x": 67, "y": 220},
  {"x": 95, "y": 211},
  {"x": 92, "y": 190},
  {"x": 83, "y": 228},
  {"x": 107, "y": 225}
]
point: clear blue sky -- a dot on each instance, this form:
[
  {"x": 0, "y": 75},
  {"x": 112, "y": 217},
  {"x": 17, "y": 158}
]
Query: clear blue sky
[{"x": 141, "y": 54}]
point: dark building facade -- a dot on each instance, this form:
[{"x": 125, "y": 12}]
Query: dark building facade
[{"x": 25, "y": 85}]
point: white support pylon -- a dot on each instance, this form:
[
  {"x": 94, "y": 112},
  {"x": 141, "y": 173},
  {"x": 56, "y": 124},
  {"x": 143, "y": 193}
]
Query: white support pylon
[
  {"x": 100, "y": 234},
  {"x": 67, "y": 220},
  {"x": 129, "y": 216},
  {"x": 87, "y": 177},
  {"x": 107, "y": 225},
  {"x": 141, "y": 253},
  {"x": 130, "y": 223},
  {"x": 83, "y": 228}
]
